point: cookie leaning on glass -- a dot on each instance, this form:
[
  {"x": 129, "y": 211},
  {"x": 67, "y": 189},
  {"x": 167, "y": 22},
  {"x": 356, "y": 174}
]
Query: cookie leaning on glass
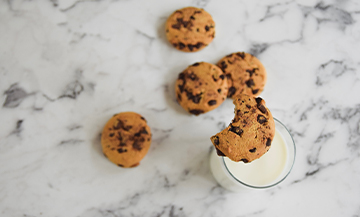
[{"x": 249, "y": 135}]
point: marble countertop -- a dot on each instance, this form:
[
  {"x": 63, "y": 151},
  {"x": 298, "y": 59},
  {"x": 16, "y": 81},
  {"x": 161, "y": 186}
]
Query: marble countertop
[{"x": 67, "y": 66}]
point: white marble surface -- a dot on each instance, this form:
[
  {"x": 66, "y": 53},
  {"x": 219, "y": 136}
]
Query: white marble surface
[{"x": 67, "y": 66}]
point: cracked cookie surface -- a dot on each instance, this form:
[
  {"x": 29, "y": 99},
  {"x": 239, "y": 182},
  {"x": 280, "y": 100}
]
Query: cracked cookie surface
[
  {"x": 190, "y": 29},
  {"x": 245, "y": 73},
  {"x": 201, "y": 87},
  {"x": 126, "y": 139},
  {"x": 249, "y": 135}
]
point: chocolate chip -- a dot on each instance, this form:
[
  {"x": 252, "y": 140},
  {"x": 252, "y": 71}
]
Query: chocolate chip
[
  {"x": 127, "y": 128},
  {"x": 181, "y": 45},
  {"x": 195, "y": 98},
  {"x": 241, "y": 54},
  {"x": 197, "y": 29},
  {"x": 222, "y": 76},
  {"x": 230, "y": 55},
  {"x": 137, "y": 145},
  {"x": 232, "y": 91},
  {"x": 228, "y": 76},
  {"x": 193, "y": 76},
  {"x": 121, "y": 150},
  {"x": 250, "y": 82},
  {"x": 215, "y": 79},
  {"x": 120, "y": 165},
  {"x": 181, "y": 87},
  {"x": 255, "y": 91},
  {"x": 179, "y": 97},
  {"x": 142, "y": 118},
  {"x": 186, "y": 23},
  {"x": 248, "y": 106},
  {"x": 258, "y": 100},
  {"x": 142, "y": 131},
  {"x": 268, "y": 142},
  {"x": 216, "y": 140},
  {"x": 118, "y": 125},
  {"x": 199, "y": 45},
  {"x": 212, "y": 102},
  {"x": 236, "y": 130},
  {"x": 191, "y": 47},
  {"x": 122, "y": 144},
  {"x": 197, "y": 12},
  {"x": 223, "y": 65},
  {"x": 181, "y": 76},
  {"x": 195, "y": 64},
  {"x": 252, "y": 150},
  {"x": 251, "y": 72},
  {"x": 261, "y": 119},
  {"x": 121, "y": 124},
  {"x": 219, "y": 90},
  {"x": 207, "y": 28},
  {"x": 176, "y": 26},
  {"x": 196, "y": 111},
  {"x": 111, "y": 134},
  {"x": 244, "y": 160},
  {"x": 219, "y": 153},
  {"x": 192, "y": 17},
  {"x": 262, "y": 108}
]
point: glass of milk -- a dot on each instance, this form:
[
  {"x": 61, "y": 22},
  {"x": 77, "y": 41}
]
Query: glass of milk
[{"x": 266, "y": 172}]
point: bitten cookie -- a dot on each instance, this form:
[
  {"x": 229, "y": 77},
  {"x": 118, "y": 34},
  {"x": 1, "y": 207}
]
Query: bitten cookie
[
  {"x": 201, "y": 87},
  {"x": 190, "y": 29},
  {"x": 245, "y": 73},
  {"x": 126, "y": 139},
  {"x": 250, "y": 133}
]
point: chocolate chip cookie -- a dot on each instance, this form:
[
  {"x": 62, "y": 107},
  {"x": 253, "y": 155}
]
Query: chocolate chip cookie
[
  {"x": 126, "y": 139},
  {"x": 201, "y": 87},
  {"x": 250, "y": 133},
  {"x": 245, "y": 73},
  {"x": 190, "y": 29}
]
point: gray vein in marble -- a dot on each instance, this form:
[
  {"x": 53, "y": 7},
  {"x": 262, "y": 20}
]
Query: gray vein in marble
[
  {"x": 313, "y": 157},
  {"x": 74, "y": 127},
  {"x": 334, "y": 14},
  {"x": 332, "y": 69},
  {"x": 14, "y": 96},
  {"x": 55, "y": 3},
  {"x": 72, "y": 90},
  {"x": 71, "y": 142},
  {"x": 256, "y": 213},
  {"x": 76, "y": 3},
  {"x": 318, "y": 168},
  {"x": 350, "y": 116},
  {"x": 18, "y": 128},
  {"x": 200, "y": 3},
  {"x": 221, "y": 125},
  {"x": 269, "y": 13},
  {"x": 257, "y": 49}
]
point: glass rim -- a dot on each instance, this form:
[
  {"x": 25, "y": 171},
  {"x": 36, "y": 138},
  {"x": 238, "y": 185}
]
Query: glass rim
[{"x": 273, "y": 184}]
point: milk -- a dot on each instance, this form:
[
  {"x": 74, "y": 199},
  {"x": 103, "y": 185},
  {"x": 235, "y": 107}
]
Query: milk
[
  {"x": 267, "y": 171},
  {"x": 262, "y": 171}
]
